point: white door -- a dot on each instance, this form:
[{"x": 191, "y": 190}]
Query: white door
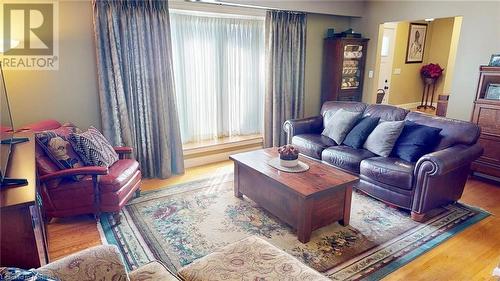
[{"x": 386, "y": 58}]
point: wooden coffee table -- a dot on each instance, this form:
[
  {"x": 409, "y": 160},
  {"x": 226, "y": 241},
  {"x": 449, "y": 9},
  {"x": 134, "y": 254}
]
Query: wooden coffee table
[{"x": 306, "y": 201}]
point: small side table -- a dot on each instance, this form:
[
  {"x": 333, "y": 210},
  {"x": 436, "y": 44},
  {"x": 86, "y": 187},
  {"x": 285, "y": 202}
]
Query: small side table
[{"x": 428, "y": 83}]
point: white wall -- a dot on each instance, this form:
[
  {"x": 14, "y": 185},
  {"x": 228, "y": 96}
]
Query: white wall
[{"x": 479, "y": 39}]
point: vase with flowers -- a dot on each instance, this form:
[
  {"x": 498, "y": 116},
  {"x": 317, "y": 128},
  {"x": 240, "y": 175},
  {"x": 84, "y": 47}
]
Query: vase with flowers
[
  {"x": 431, "y": 72},
  {"x": 289, "y": 156}
]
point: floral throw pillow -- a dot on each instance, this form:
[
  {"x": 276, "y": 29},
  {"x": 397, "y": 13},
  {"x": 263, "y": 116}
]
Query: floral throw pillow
[
  {"x": 17, "y": 274},
  {"x": 57, "y": 147},
  {"x": 93, "y": 148}
]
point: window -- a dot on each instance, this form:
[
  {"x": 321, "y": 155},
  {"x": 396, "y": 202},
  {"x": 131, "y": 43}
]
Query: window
[
  {"x": 219, "y": 75},
  {"x": 385, "y": 46}
]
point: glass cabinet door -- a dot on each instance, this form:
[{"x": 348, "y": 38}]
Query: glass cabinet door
[{"x": 351, "y": 73}]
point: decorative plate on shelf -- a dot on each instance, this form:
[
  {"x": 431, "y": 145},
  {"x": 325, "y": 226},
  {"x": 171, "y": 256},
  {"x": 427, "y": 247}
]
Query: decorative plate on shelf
[{"x": 301, "y": 167}]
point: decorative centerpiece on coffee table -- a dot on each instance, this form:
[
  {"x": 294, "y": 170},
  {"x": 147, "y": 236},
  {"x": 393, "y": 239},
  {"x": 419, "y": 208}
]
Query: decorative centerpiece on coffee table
[{"x": 289, "y": 156}]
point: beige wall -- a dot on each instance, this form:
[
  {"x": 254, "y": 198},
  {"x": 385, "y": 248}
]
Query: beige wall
[
  {"x": 407, "y": 87},
  {"x": 478, "y": 40},
  {"x": 70, "y": 93},
  {"x": 448, "y": 79},
  {"x": 439, "y": 49},
  {"x": 317, "y": 26}
]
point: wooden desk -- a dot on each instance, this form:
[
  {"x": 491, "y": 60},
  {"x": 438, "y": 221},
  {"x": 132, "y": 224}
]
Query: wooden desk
[{"x": 22, "y": 233}]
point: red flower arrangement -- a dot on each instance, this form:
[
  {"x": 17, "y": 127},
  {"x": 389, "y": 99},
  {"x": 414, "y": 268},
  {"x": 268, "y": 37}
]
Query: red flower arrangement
[
  {"x": 431, "y": 70},
  {"x": 288, "y": 152}
]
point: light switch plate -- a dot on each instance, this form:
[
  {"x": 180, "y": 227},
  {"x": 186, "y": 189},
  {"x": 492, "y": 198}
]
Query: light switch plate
[
  {"x": 397, "y": 71},
  {"x": 370, "y": 74}
]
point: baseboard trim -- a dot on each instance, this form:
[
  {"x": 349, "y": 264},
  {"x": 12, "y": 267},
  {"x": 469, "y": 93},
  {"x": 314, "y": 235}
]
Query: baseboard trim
[
  {"x": 412, "y": 105},
  {"x": 217, "y": 147},
  {"x": 217, "y": 156}
]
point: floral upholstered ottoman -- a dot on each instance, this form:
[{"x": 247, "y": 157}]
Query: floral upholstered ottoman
[{"x": 249, "y": 259}]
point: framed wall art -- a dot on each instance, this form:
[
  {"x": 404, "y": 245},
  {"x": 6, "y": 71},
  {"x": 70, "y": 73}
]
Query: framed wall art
[{"x": 416, "y": 42}]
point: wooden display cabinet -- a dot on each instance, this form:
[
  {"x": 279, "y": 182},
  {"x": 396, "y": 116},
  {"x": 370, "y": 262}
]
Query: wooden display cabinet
[
  {"x": 343, "y": 69},
  {"x": 487, "y": 115}
]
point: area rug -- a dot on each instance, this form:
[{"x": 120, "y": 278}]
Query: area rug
[{"x": 182, "y": 223}]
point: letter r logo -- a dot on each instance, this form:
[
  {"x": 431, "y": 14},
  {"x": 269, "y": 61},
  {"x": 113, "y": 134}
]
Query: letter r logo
[{"x": 33, "y": 25}]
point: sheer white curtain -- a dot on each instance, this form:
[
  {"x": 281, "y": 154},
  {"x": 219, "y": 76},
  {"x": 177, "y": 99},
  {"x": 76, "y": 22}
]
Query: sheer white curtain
[{"x": 219, "y": 75}]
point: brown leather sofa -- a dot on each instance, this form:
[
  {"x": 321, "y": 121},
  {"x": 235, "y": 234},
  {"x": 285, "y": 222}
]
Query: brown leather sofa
[
  {"x": 436, "y": 179},
  {"x": 101, "y": 189}
]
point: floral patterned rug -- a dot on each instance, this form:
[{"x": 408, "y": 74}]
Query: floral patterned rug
[{"x": 185, "y": 222}]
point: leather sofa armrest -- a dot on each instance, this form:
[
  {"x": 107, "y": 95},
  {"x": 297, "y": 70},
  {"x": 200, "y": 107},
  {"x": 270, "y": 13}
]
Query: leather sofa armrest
[
  {"x": 97, "y": 263},
  {"x": 123, "y": 151},
  {"x": 441, "y": 177},
  {"x": 450, "y": 158},
  {"x": 310, "y": 125},
  {"x": 90, "y": 170}
]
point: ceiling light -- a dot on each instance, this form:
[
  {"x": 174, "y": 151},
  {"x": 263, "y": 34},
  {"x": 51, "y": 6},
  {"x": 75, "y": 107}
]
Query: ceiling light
[{"x": 429, "y": 20}]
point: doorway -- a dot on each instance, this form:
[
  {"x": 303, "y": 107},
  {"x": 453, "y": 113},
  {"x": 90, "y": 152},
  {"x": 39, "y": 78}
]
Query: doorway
[
  {"x": 386, "y": 60},
  {"x": 399, "y": 61}
]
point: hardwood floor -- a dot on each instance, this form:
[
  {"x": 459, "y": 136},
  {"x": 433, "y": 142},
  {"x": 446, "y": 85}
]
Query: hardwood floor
[
  {"x": 469, "y": 255},
  {"x": 428, "y": 110}
]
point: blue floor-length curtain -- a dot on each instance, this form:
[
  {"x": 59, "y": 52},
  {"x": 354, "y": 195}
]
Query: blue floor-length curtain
[
  {"x": 136, "y": 84},
  {"x": 285, "y": 62}
]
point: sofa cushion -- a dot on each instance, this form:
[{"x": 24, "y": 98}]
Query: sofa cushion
[
  {"x": 385, "y": 112},
  {"x": 249, "y": 259},
  {"x": 119, "y": 174},
  {"x": 453, "y": 131},
  {"x": 338, "y": 124},
  {"x": 154, "y": 270},
  {"x": 103, "y": 263},
  {"x": 345, "y": 157},
  {"x": 93, "y": 148},
  {"x": 57, "y": 147},
  {"x": 45, "y": 166},
  {"x": 415, "y": 141},
  {"x": 312, "y": 144},
  {"x": 358, "y": 135},
  {"x": 383, "y": 138},
  {"x": 391, "y": 171},
  {"x": 333, "y": 106}
]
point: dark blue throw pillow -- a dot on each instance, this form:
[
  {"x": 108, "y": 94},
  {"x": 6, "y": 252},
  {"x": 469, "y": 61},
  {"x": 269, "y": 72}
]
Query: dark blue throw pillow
[
  {"x": 415, "y": 141},
  {"x": 358, "y": 135}
]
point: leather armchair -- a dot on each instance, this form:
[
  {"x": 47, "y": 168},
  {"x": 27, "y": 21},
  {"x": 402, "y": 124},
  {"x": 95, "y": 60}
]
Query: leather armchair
[{"x": 100, "y": 189}]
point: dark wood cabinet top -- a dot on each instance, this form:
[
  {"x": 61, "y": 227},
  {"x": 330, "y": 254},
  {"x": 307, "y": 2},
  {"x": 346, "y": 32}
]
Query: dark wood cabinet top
[
  {"x": 318, "y": 178},
  {"x": 21, "y": 165},
  {"x": 489, "y": 68}
]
